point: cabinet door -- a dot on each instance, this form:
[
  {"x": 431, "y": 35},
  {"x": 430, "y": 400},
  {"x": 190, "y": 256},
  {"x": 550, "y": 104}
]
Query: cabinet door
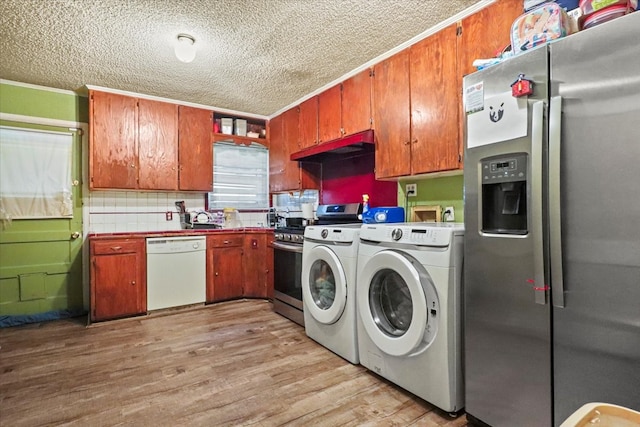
[
  {"x": 391, "y": 116},
  {"x": 195, "y": 155},
  {"x": 118, "y": 279},
  {"x": 255, "y": 266},
  {"x": 435, "y": 103},
  {"x": 113, "y": 151},
  {"x": 227, "y": 274},
  {"x": 329, "y": 114},
  {"x": 308, "y": 124},
  {"x": 157, "y": 145},
  {"x": 356, "y": 103},
  {"x": 486, "y": 33},
  {"x": 482, "y": 35},
  {"x": 278, "y": 155},
  {"x": 291, "y": 176}
]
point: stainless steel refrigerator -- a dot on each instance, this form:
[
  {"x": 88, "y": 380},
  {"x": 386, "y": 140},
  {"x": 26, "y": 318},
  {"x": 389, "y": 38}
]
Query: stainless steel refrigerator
[{"x": 552, "y": 220}]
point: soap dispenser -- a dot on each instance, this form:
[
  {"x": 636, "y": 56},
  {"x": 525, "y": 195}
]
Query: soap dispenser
[{"x": 365, "y": 203}]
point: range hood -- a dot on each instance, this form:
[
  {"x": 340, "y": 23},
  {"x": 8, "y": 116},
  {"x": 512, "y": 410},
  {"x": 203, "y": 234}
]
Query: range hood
[{"x": 349, "y": 146}]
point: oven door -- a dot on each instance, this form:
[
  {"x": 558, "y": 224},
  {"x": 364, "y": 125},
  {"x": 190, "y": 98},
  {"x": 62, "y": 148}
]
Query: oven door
[{"x": 287, "y": 283}]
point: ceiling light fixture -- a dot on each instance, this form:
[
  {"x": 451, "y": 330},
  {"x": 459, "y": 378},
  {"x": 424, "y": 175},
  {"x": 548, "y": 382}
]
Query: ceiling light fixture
[{"x": 185, "y": 48}]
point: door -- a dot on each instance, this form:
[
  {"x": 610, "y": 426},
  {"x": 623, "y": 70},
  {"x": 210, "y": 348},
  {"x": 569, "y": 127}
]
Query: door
[
  {"x": 308, "y": 124},
  {"x": 330, "y": 114},
  {"x": 507, "y": 318},
  {"x": 596, "y": 316},
  {"x": 434, "y": 103},
  {"x": 41, "y": 259},
  {"x": 195, "y": 148},
  {"x": 391, "y": 116},
  {"x": 157, "y": 145},
  {"x": 356, "y": 103},
  {"x": 113, "y": 162},
  {"x": 395, "y": 298},
  {"x": 324, "y": 285}
]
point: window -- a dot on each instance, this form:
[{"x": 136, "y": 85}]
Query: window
[
  {"x": 35, "y": 174},
  {"x": 240, "y": 176}
]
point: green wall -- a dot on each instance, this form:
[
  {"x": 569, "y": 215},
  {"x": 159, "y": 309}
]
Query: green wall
[
  {"x": 442, "y": 191},
  {"x": 40, "y": 268},
  {"x": 34, "y": 102}
]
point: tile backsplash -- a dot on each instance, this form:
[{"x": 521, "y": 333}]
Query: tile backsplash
[{"x": 131, "y": 211}]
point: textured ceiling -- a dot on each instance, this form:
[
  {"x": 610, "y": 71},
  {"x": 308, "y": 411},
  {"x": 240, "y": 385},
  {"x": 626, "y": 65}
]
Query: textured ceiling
[{"x": 253, "y": 56}]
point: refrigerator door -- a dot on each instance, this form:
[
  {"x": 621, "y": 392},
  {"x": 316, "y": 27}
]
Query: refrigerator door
[
  {"x": 507, "y": 321},
  {"x": 596, "y": 335}
]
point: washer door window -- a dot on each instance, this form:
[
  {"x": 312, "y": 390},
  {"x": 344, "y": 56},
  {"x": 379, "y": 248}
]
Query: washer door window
[
  {"x": 324, "y": 288},
  {"x": 390, "y": 303},
  {"x": 397, "y": 303}
]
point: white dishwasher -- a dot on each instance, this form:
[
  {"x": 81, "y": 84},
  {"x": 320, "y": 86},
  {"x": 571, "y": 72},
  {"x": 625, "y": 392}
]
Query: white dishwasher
[{"x": 176, "y": 271}]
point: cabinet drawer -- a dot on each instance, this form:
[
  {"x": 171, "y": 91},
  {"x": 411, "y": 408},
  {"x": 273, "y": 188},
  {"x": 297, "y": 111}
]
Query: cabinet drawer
[
  {"x": 111, "y": 247},
  {"x": 225, "y": 240}
]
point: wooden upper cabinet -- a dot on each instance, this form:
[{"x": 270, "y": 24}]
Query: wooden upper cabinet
[
  {"x": 483, "y": 35},
  {"x": 277, "y": 153},
  {"x": 195, "y": 149},
  {"x": 486, "y": 33},
  {"x": 308, "y": 124},
  {"x": 157, "y": 145},
  {"x": 290, "y": 134},
  {"x": 330, "y": 114},
  {"x": 284, "y": 173},
  {"x": 113, "y": 160},
  {"x": 391, "y": 112},
  {"x": 356, "y": 103},
  {"x": 435, "y": 103}
]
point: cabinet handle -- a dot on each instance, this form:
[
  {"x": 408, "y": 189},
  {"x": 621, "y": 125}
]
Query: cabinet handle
[
  {"x": 116, "y": 248},
  {"x": 133, "y": 283},
  {"x": 216, "y": 273},
  {"x": 226, "y": 242},
  {"x": 133, "y": 166},
  {"x": 407, "y": 142},
  {"x": 414, "y": 141}
]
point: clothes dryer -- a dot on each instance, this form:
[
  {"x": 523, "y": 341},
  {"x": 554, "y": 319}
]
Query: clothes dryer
[
  {"x": 409, "y": 325},
  {"x": 329, "y": 257}
]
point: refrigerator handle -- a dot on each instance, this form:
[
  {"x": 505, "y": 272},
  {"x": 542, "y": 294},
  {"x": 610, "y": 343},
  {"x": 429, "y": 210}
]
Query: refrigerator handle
[
  {"x": 555, "y": 226},
  {"x": 537, "y": 140}
]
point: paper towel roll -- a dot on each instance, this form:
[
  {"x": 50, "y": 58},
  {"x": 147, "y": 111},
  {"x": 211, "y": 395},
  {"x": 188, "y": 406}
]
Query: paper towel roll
[{"x": 307, "y": 210}]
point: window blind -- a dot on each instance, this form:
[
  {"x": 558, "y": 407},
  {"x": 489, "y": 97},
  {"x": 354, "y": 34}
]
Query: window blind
[{"x": 240, "y": 176}]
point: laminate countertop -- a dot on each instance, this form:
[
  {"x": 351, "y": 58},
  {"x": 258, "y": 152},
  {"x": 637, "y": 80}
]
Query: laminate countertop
[{"x": 187, "y": 232}]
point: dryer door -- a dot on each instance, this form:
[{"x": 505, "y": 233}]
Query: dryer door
[
  {"x": 324, "y": 285},
  {"x": 397, "y": 303}
]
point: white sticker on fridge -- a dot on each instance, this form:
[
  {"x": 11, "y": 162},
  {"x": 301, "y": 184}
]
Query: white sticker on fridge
[
  {"x": 474, "y": 98},
  {"x": 502, "y": 118}
]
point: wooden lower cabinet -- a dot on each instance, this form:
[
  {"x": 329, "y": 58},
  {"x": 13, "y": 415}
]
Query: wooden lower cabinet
[
  {"x": 224, "y": 266},
  {"x": 118, "y": 278},
  {"x": 258, "y": 265}
]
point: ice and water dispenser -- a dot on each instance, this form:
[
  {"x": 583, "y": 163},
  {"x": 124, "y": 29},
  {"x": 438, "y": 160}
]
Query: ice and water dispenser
[{"x": 504, "y": 194}]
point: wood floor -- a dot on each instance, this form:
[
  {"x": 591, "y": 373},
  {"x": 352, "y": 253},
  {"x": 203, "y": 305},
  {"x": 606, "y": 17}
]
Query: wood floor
[{"x": 229, "y": 364}]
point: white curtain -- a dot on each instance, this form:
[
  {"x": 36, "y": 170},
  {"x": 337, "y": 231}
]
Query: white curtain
[{"x": 35, "y": 174}]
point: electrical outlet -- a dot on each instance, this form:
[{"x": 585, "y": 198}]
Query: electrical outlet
[
  {"x": 449, "y": 214},
  {"x": 168, "y": 215},
  {"x": 411, "y": 190}
]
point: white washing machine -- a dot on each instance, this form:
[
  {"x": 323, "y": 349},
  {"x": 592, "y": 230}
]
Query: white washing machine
[
  {"x": 329, "y": 257},
  {"x": 409, "y": 306}
]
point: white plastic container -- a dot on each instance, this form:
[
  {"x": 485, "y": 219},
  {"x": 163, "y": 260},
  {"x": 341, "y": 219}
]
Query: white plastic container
[
  {"x": 241, "y": 127},
  {"x": 227, "y": 125}
]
